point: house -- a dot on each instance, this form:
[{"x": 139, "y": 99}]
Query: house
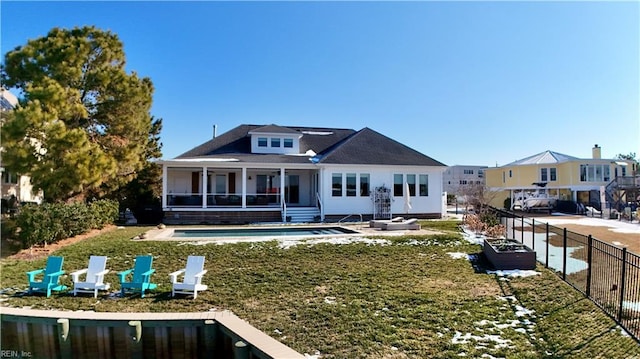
[
  {"x": 271, "y": 173},
  {"x": 13, "y": 186},
  {"x": 598, "y": 182},
  {"x": 457, "y": 179}
]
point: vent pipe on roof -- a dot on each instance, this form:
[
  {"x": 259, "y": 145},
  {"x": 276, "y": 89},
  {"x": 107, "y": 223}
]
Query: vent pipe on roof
[
  {"x": 595, "y": 152},
  {"x": 215, "y": 131}
]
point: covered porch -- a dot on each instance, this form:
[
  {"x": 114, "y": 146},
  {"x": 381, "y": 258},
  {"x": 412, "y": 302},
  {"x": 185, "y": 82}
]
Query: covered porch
[{"x": 236, "y": 193}]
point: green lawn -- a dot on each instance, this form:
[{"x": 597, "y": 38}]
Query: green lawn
[{"x": 407, "y": 298}]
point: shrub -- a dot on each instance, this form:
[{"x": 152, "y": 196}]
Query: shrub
[
  {"x": 51, "y": 222},
  {"x": 104, "y": 212},
  {"x": 8, "y": 228}
]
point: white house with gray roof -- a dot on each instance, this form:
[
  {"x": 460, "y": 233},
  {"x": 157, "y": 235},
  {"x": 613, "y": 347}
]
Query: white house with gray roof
[{"x": 256, "y": 173}]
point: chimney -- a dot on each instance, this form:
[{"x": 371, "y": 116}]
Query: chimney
[
  {"x": 215, "y": 131},
  {"x": 595, "y": 152}
]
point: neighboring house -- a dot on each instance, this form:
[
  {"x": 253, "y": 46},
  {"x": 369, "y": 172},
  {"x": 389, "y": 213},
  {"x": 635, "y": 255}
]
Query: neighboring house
[
  {"x": 271, "y": 173},
  {"x": 14, "y": 184},
  {"x": 457, "y": 179},
  {"x": 592, "y": 181}
]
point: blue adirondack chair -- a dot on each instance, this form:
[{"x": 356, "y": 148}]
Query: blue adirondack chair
[
  {"x": 51, "y": 277},
  {"x": 140, "y": 277}
]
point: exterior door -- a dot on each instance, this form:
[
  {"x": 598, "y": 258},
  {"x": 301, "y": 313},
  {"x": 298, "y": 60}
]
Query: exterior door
[{"x": 292, "y": 189}]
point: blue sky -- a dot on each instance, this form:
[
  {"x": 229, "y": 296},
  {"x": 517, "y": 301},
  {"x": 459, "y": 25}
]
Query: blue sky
[{"x": 475, "y": 83}]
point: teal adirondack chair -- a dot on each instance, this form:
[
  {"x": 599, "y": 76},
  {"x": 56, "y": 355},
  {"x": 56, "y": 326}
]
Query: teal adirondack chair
[
  {"x": 140, "y": 277},
  {"x": 51, "y": 277}
]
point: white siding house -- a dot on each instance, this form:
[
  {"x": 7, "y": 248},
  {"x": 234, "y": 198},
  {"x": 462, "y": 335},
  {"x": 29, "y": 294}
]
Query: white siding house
[{"x": 273, "y": 173}]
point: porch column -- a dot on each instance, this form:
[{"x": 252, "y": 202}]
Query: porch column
[
  {"x": 244, "y": 187},
  {"x": 164, "y": 186},
  {"x": 282, "y": 185},
  {"x": 204, "y": 187}
]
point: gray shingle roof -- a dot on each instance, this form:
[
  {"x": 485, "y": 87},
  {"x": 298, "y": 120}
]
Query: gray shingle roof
[
  {"x": 332, "y": 145},
  {"x": 372, "y": 148}
]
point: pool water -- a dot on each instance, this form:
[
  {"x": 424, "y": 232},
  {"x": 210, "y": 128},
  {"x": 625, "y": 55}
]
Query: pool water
[{"x": 259, "y": 232}]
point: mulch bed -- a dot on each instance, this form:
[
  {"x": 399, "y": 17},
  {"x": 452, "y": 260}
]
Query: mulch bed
[{"x": 38, "y": 252}]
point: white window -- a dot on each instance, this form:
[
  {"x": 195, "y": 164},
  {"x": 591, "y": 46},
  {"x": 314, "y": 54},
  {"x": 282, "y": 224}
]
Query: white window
[
  {"x": 288, "y": 143},
  {"x": 364, "y": 185},
  {"x": 336, "y": 185},
  {"x": 397, "y": 184},
  {"x": 423, "y": 185},
  {"x": 411, "y": 180},
  {"x": 275, "y": 142},
  {"x": 262, "y": 142},
  {"x": 468, "y": 172},
  {"x": 351, "y": 185}
]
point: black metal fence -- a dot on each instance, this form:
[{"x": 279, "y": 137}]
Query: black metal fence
[{"x": 606, "y": 274}]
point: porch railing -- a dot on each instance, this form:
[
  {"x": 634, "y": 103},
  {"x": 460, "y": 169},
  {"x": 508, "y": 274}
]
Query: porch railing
[{"x": 194, "y": 200}]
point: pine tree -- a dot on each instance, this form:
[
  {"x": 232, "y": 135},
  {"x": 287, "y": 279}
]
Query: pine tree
[{"x": 83, "y": 122}]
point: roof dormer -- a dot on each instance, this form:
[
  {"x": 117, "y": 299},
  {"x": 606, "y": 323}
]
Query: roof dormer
[{"x": 275, "y": 139}]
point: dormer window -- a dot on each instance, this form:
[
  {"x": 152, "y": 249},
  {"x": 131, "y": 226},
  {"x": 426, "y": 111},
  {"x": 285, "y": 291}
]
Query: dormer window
[{"x": 275, "y": 139}]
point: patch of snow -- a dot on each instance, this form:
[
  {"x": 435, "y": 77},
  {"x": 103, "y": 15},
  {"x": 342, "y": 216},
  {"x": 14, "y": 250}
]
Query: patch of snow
[
  {"x": 522, "y": 311},
  {"x": 288, "y": 243},
  {"x": 316, "y": 355},
  {"x": 623, "y": 332},
  {"x": 490, "y": 356},
  {"x": 330, "y": 300},
  {"x": 472, "y": 237},
  {"x": 460, "y": 338},
  {"x": 277, "y": 331},
  {"x": 514, "y": 273},
  {"x": 458, "y": 255}
]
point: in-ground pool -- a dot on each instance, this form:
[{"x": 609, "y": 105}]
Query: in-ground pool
[{"x": 259, "y": 232}]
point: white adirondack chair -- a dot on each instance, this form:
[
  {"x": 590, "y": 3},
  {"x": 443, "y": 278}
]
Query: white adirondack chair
[
  {"x": 192, "y": 280},
  {"x": 94, "y": 278}
]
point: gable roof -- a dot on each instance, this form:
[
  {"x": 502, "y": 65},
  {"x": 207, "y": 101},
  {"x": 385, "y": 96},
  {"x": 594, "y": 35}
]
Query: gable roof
[
  {"x": 331, "y": 145},
  {"x": 546, "y": 157},
  {"x": 274, "y": 129},
  {"x": 370, "y": 147}
]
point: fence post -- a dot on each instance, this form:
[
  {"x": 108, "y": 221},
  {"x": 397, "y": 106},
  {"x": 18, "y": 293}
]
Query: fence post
[
  {"x": 533, "y": 234},
  {"x": 622, "y": 282},
  {"x": 522, "y": 229},
  {"x": 513, "y": 227},
  {"x": 589, "y": 264},
  {"x": 546, "y": 261},
  {"x": 564, "y": 254}
]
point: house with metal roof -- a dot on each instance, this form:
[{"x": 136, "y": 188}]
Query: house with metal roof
[
  {"x": 596, "y": 181},
  {"x": 272, "y": 173}
]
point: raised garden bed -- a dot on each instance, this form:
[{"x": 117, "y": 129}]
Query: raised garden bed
[{"x": 509, "y": 254}]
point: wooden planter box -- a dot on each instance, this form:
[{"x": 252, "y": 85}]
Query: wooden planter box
[{"x": 521, "y": 258}]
